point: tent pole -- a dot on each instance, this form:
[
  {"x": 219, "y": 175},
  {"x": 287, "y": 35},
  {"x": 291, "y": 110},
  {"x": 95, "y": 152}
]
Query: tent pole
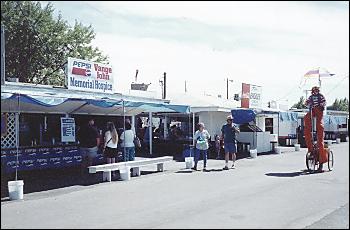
[
  {"x": 133, "y": 125},
  {"x": 255, "y": 135},
  {"x": 150, "y": 132},
  {"x": 124, "y": 128},
  {"x": 193, "y": 127},
  {"x": 278, "y": 131},
  {"x": 17, "y": 133}
]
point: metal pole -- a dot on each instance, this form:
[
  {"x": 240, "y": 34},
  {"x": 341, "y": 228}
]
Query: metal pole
[
  {"x": 124, "y": 128},
  {"x": 2, "y": 54},
  {"x": 17, "y": 133},
  {"x": 278, "y": 131},
  {"x": 193, "y": 126},
  {"x": 133, "y": 124},
  {"x": 319, "y": 81},
  {"x": 227, "y": 88},
  {"x": 150, "y": 132},
  {"x": 164, "y": 85},
  {"x": 165, "y": 127}
]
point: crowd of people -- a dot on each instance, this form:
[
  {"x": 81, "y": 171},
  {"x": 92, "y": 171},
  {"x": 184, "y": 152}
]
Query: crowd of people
[
  {"x": 121, "y": 147},
  {"x": 115, "y": 147}
]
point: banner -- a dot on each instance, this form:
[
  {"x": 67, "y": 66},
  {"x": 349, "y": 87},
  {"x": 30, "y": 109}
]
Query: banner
[
  {"x": 89, "y": 76},
  {"x": 255, "y": 96},
  {"x": 251, "y": 96},
  {"x": 67, "y": 129}
]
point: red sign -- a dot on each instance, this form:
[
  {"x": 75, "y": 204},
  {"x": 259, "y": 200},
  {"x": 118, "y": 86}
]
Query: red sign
[{"x": 245, "y": 95}]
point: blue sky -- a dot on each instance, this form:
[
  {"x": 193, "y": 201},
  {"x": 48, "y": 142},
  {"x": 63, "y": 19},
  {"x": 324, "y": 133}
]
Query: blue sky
[{"x": 271, "y": 44}]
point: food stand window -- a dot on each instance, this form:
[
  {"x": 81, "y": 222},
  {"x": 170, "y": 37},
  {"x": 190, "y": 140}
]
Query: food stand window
[{"x": 39, "y": 129}]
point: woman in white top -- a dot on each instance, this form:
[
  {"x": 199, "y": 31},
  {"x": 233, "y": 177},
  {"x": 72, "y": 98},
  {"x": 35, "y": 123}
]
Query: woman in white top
[
  {"x": 127, "y": 145},
  {"x": 111, "y": 143},
  {"x": 201, "y": 138}
]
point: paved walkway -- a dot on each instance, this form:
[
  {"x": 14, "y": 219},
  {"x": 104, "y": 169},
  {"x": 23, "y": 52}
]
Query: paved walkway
[{"x": 271, "y": 191}]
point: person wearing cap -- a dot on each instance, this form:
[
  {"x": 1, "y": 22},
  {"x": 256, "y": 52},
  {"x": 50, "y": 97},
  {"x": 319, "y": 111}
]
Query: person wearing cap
[
  {"x": 317, "y": 103},
  {"x": 201, "y": 138},
  {"x": 228, "y": 133}
]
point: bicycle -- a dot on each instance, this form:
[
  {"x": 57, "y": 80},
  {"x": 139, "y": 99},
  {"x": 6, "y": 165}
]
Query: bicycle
[{"x": 312, "y": 158}]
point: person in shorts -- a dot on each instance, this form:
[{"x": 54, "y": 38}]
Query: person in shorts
[
  {"x": 89, "y": 142},
  {"x": 228, "y": 134}
]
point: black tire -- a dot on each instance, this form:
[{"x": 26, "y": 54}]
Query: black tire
[
  {"x": 330, "y": 162},
  {"x": 312, "y": 163}
]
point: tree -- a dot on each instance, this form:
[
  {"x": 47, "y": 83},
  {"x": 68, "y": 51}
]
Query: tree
[
  {"x": 38, "y": 44},
  {"x": 300, "y": 104},
  {"x": 340, "y": 105}
]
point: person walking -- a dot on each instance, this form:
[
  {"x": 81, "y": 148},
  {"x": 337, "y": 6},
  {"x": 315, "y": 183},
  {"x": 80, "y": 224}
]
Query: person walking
[
  {"x": 111, "y": 143},
  {"x": 228, "y": 134},
  {"x": 201, "y": 138}
]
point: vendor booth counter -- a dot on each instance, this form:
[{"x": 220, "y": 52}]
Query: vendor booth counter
[
  {"x": 34, "y": 158},
  {"x": 32, "y": 123}
]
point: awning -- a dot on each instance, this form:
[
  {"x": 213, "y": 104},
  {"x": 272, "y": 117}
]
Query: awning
[
  {"x": 73, "y": 105},
  {"x": 241, "y": 116},
  {"x": 288, "y": 116},
  {"x": 335, "y": 120}
]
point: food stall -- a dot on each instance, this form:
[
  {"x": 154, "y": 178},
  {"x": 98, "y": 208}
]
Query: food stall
[
  {"x": 39, "y": 122},
  {"x": 250, "y": 133}
]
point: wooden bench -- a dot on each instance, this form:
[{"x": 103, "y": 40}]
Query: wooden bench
[{"x": 135, "y": 165}]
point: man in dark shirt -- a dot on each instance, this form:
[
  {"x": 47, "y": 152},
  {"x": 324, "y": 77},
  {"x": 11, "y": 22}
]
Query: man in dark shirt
[
  {"x": 229, "y": 135},
  {"x": 89, "y": 142}
]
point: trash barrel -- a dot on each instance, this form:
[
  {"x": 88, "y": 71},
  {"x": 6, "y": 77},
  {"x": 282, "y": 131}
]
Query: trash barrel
[{"x": 16, "y": 189}]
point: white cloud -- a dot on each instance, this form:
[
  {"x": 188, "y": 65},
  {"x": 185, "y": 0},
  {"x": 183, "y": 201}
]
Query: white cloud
[{"x": 265, "y": 43}]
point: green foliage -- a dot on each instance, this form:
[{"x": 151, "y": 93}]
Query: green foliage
[
  {"x": 300, "y": 104},
  {"x": 38, "y": 44},
  {"x": 340, "y": 105}
]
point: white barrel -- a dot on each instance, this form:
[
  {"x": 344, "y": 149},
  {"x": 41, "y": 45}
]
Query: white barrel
[
  {"x": 253, "y": 153},
  {"x": 274, "y": 137},
  {"x": 125, "y": 173},
  {"x": 189, "y": 162},
  {"x": 297, "y": 147},
  {"x": 278, "y": 150},
  {"x": 338, "y": 140},
  {"x": 15, "y": 189},
  {"x": 347, "y": 139}
]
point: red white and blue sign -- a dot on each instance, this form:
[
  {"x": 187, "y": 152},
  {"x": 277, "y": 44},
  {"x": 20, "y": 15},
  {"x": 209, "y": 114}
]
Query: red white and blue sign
[{"x": 89, "y": 76}]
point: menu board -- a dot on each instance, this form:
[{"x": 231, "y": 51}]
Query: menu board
[{"x": 67, "y": 129}]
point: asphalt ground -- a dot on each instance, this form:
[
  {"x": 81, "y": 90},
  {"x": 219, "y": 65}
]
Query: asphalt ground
[{"x": 270, "y": 191}]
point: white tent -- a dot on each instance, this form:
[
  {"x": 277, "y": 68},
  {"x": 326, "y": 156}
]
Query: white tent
[{"x": 212, "y": 111}]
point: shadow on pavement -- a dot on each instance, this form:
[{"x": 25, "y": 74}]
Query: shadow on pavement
[
  {"x": 289, "y": 174},
  {"x": 184, "y": 171},
  {"x": 44, "y": 180},
  {"x": 214, "y": 170},
  {"x": 145, "y": 172},
  {"x": 294, "y": 174}
]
